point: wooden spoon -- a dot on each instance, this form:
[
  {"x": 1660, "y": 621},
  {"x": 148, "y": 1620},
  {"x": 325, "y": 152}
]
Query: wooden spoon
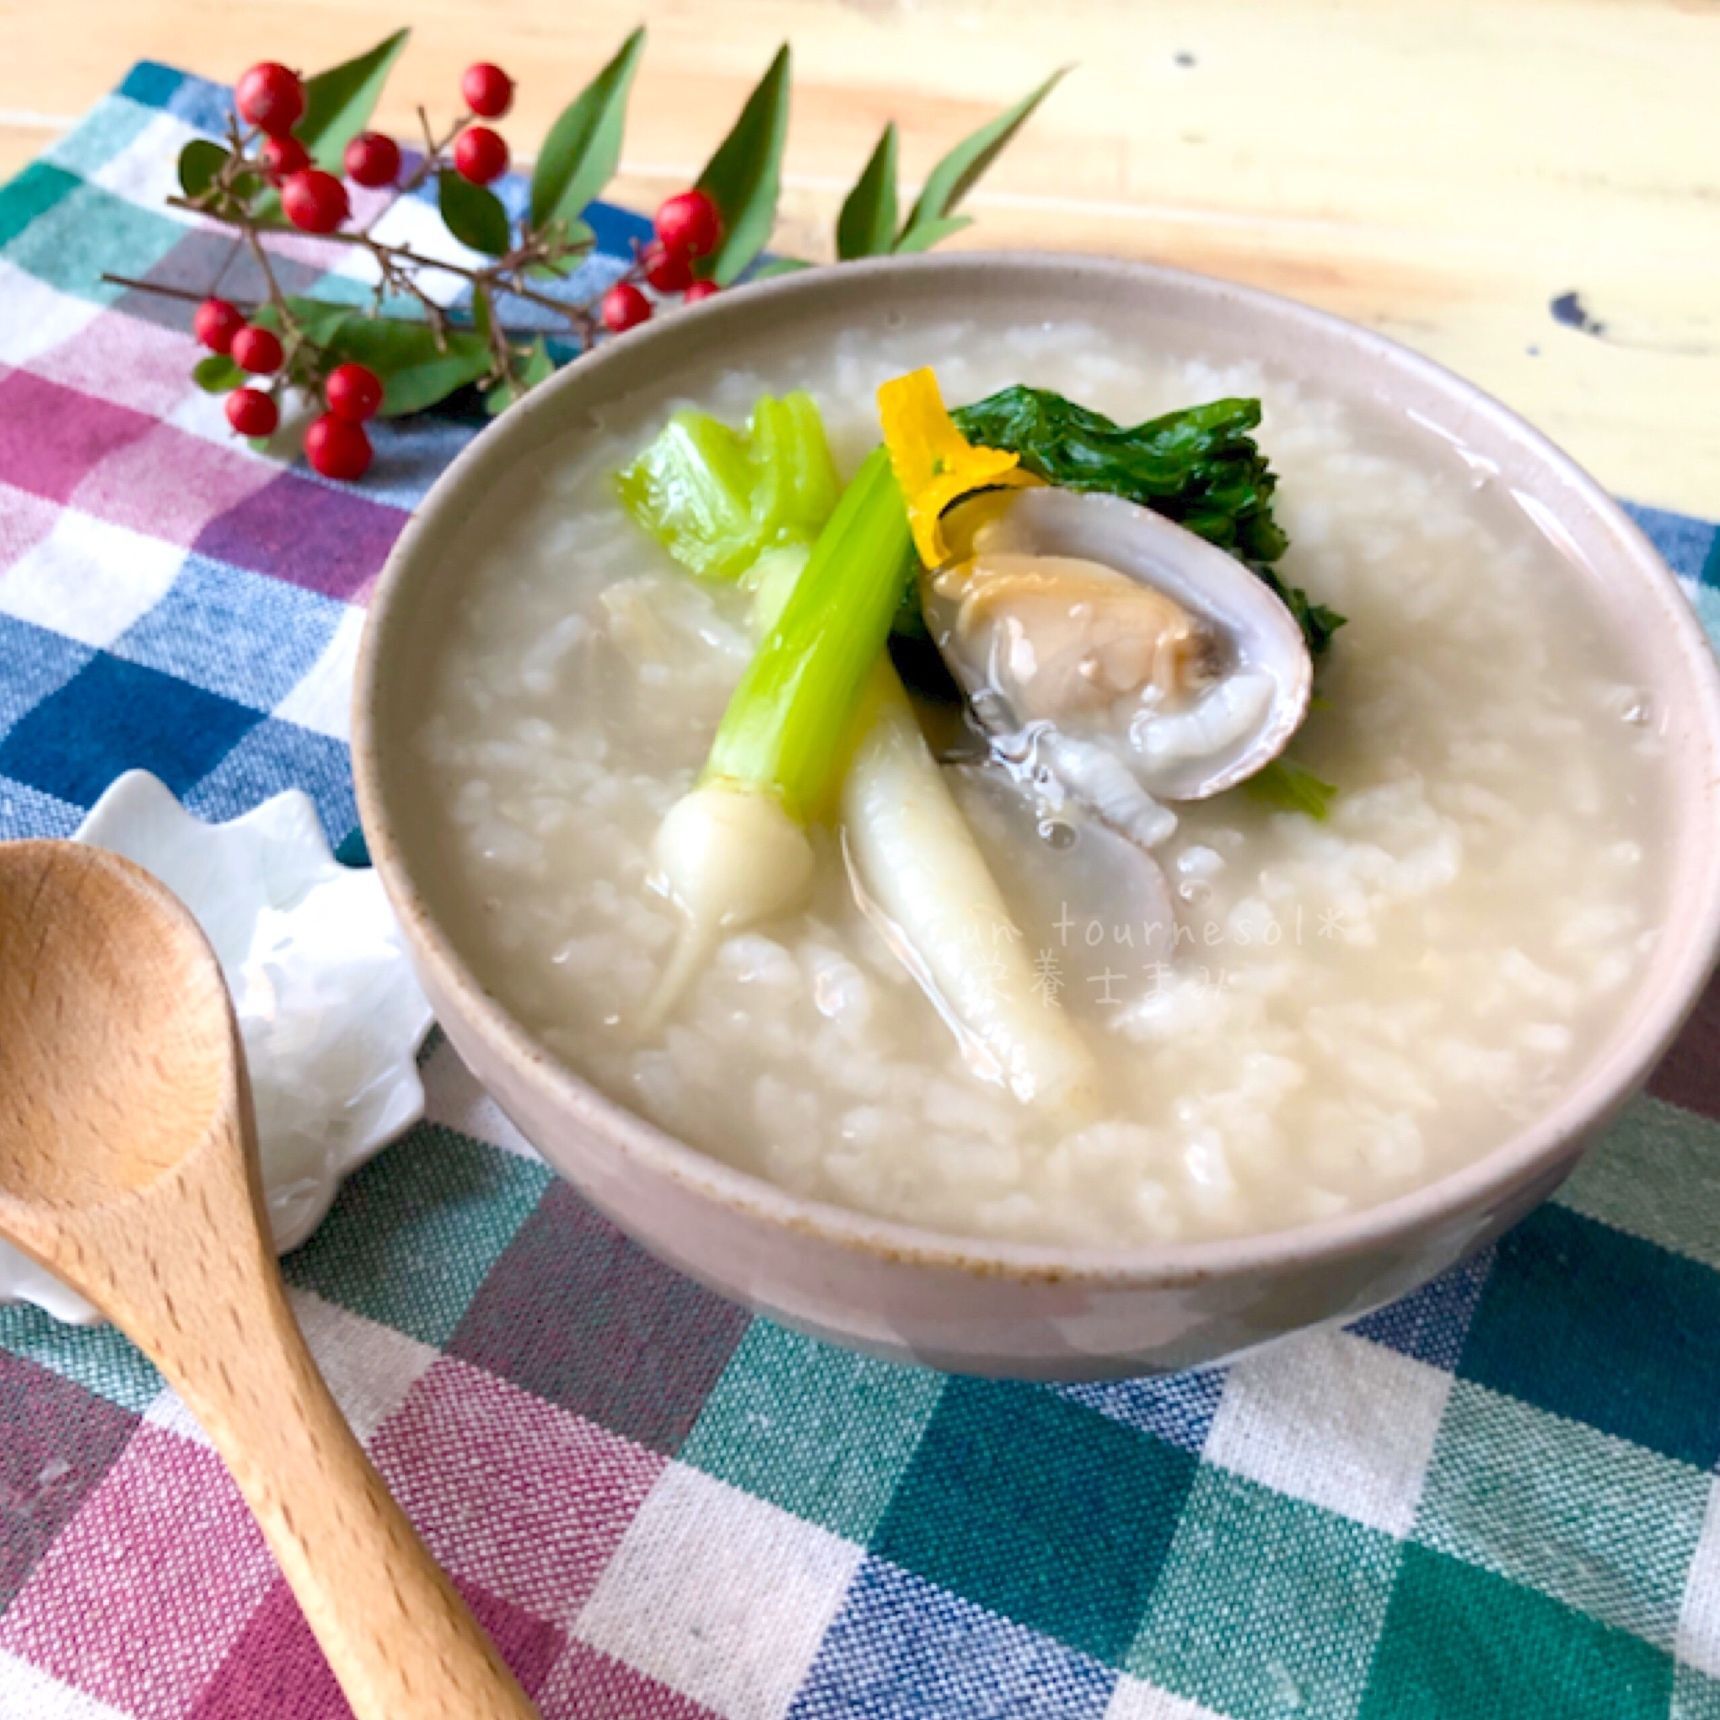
[{"x": 129, "y": 1167}]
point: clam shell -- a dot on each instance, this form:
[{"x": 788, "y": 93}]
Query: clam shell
[{"x": 1257, "y": 669}]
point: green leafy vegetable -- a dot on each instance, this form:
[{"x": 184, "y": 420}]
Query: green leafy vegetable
[
  {"x": 744, "y": 177},
  {"x": 1200, "y": 466},
  {"x": 716, "y": 497},
  {"x": 199, "y": 161},
  {"x": 1289, "y": 787},
  {"x": 955, "y": 176},
  {"x": 473, "y": 214},
  {"x": 583, "y": 148},
  {"x": 866, "y": 227},
  {"x": 1317, "y": 621},
  {"x": 785, "y": 726}
]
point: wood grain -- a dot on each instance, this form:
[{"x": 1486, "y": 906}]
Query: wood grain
[
  {"x": 129, "y": 1168},
  {"x": 1440, "y": 169}
]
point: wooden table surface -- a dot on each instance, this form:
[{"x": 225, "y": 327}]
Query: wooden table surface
[{"x": 1444, "y": 170}]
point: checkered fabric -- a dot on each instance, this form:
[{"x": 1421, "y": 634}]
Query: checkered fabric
[{"x": 1494, "y": 1499}]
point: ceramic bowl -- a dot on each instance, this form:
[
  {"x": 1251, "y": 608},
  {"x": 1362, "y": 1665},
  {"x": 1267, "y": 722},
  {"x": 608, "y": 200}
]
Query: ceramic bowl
[
  {"x": 327, "y": 1005},
  {"x": 989, "y": 1307}
]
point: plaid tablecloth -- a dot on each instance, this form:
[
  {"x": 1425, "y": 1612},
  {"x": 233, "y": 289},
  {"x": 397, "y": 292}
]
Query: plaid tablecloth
[{"x": 1494, "y": 1499}]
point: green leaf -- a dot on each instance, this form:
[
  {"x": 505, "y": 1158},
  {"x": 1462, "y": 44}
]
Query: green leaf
[
  {"x": 780, "y": 266},
  {"x": 744, "y": 177},
  {"x": 340, "y": 101},
  {"x": 930, "y": 233},
  {"x": 199, "y": 161},
  {"x": 259, "y": 444},
  {"x": 784, "y": 726},
  {"x": 866, "y": 226},
  {"x": 716, "y": 497},
  {"x": 415, "y": 374},
  {"x": 539, "y": 366},
  {"x": 1288, "y": 787},
  {"x": 217, "y": 374},
  {"x": 955, "y": 176},
  {"x": 320, "y": 319},
  {"x": 583, "y": 148},
  {"x": 474, "y": 214},
  {"x": 1317, "y": 621},
  {"x": 573, "y": 233},
  {"x": 1199, "y": 466},
  {"x": 338, "y": 106}
]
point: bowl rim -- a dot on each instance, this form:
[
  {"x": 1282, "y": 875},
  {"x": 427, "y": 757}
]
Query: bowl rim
[{"x": 1542, "y": 1148}]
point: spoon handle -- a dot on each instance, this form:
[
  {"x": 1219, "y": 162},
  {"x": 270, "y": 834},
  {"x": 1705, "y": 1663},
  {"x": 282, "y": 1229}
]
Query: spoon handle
[
  {"x": 399, "y": 1639},
  {"x": 389, "y": 1622},
  {"x": 191, "y": 1280}
]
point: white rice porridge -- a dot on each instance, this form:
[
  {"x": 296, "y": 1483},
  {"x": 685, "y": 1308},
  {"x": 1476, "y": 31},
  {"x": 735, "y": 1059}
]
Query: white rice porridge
[{"x": 1353, "y": 1008}]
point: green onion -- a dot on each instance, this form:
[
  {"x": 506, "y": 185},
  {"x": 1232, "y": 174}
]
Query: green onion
[
  {"x": 735, "y": 850},
  {"x": 785, "y": 726}
]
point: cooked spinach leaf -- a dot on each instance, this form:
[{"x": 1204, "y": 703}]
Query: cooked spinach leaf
[
  {"x": 1290, "y": 787},
  {"x": 1317, "y": 621}
]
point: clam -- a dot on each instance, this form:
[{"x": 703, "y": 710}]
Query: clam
[{"x": 1116, "y": 651}]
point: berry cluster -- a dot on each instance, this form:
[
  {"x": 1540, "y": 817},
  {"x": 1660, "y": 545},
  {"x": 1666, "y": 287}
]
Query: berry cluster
[
  {"x": 335, "y": 443},
  {"x": 688, "y": 229},
  {"x": 271, "y": 99},
  {"x": 274, "y": 346}
]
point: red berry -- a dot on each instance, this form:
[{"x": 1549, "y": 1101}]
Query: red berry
[
  {"x": 337, "y": 448},
  {"x": 488, "y": 90},
  {"x": 215, "y": 324},
  {"x": 257, "y": 350},
  {"x": 283, "y": 156},
  {"x": 689, "y": 222},
  {"x": 315, "y": 201},
  {"x": 353, "y": 392},
  {"x": 700, "y": 290},
  {"x": 372, "y": 158},
  {"x": 271, "y": 98},
  {"x": 624, "y": 307},
  {"x": 252, "y": 412},
  {"x": 480, "y": 155},
  {"x": 668, "y": 271}
]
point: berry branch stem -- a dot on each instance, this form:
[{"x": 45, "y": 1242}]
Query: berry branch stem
[
  {"x": 506, "y": 273},
  {"x": 161, "y": 290}
]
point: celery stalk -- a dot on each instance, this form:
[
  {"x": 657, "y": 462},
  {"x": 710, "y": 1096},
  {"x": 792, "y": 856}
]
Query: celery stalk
[{"x": 716, "y": 497}]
